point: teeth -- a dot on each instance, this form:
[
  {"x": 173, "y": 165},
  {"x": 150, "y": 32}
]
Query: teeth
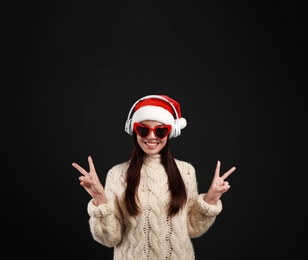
[{"x": 151, "y": 144}]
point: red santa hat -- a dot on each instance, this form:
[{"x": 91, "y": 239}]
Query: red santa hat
[{"x": 159, "y": 108}]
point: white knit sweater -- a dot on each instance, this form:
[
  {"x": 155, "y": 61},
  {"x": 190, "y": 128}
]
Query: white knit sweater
[{"x": 151, "y": 235}]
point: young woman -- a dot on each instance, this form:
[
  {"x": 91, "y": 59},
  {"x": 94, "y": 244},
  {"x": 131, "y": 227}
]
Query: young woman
[{"x": 150, "y": 207}]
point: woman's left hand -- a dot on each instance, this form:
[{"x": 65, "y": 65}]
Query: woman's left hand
[{"x": 218, "y": 185}]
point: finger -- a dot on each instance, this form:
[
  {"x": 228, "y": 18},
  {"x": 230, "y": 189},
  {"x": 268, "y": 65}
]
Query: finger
[
  {"x": 226, "y": 174},
  {"x": 224, "y": 187},
  {"x": 79, "y": 168},
  {"x": 85, "y": 185},
  {"x": 91, "y": 164},
  {"x": 86, "y": 180},
  {"x": 217, "y": 170}
]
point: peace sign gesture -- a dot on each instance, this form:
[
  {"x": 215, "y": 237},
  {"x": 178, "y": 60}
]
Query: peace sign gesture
[
  {"x": 91, "y": 182},
  {"x": 218, "y": 185}
]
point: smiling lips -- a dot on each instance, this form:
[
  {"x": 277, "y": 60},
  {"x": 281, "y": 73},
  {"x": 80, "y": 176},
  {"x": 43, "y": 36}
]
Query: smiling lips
[{"x": 151, "y": 144}]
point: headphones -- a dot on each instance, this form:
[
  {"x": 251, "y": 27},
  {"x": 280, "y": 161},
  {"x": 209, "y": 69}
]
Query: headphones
[{"x": 176, "y": 129}]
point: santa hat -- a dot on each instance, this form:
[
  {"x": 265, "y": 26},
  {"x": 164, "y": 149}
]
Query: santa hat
[{"x": 159, "y": 108}]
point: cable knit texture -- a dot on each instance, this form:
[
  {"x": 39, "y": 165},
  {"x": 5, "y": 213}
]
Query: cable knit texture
[{"x": 151, "y": 235}]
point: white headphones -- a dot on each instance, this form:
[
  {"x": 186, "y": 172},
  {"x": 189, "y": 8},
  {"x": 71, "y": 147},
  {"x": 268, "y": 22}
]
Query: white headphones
[{"x": 176, "y": 129}]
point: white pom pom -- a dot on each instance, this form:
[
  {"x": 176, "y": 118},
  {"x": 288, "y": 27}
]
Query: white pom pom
[{"x": 182, "y": 122}]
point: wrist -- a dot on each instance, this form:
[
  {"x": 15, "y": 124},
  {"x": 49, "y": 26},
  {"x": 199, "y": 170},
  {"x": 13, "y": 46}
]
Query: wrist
[
  {"x": 207, "y": 198},
  {"x": 99, "y": 200}
]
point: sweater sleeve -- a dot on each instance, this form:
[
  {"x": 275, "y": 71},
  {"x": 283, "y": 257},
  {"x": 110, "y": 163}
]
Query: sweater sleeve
[
  {"x": 201, "y": 215},
  {"x": 106, "y": 220}
]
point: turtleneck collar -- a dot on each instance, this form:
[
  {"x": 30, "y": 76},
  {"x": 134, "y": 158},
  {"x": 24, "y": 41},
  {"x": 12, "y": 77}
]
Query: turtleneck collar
[{"x": 156, "y": 158}]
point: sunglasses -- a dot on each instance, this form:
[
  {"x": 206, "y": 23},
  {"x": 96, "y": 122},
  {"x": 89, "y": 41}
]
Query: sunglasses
[{"x": 160, "y": 131}]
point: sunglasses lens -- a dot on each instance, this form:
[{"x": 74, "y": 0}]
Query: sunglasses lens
[
  {"x": 161, "y": 132},
  {"x": 143, "y": 131}
]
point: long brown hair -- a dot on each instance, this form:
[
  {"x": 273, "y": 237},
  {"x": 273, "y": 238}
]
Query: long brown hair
[{"x": 176, "y": 184}]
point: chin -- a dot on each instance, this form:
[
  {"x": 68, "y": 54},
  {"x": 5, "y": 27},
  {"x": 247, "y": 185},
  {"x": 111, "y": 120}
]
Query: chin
[{"x": 151, "y": 152}]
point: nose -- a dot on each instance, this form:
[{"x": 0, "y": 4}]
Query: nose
[{"x": 151, "y": 135}]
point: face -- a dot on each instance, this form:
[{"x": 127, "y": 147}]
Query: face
[{"x": 151, "y": 144}]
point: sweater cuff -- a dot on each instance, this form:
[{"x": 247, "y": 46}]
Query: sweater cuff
[
  {"x": 209, "y": 209},
  {"x": 101, "y": 210}
]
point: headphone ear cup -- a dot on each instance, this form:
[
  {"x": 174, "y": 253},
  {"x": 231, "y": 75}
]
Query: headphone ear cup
[
  {"x": 176, "y": 130},
  {"x": 128, "y": 126}
]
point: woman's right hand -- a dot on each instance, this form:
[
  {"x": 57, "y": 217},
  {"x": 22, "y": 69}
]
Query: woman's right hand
[{"x": 91, "y": 182}]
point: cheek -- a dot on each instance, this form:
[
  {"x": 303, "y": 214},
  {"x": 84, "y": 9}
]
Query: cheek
[
  {"x": 164, "y": 141},
  {"x": 139, "y": 140}
]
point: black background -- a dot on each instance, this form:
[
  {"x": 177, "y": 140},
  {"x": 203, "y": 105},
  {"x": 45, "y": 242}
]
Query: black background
[{"x": 73, "y": 71}]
